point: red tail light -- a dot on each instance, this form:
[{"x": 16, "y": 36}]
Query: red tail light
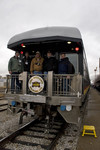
[
  {"x": 21, "y": 52},
  {"x": 23, "y": 45},
  {"x": 77, "y": 49}
]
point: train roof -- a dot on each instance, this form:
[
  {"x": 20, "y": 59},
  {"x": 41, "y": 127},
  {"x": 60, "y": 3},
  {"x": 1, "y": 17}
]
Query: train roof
[{"x": 44, "y": 34}]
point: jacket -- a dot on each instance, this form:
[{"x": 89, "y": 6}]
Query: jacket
[
  {"x": 65, "y": 67},
  {"x": 15, "y": 65},
  {"x": 50, "y": 64},
  {"x": 36, "y": 64},
  {"x": 26, "y": 63}
]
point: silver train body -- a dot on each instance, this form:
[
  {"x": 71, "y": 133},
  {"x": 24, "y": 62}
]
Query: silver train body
[{"x": 53, "y": 99}]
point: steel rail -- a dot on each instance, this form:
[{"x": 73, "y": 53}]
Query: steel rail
[
  {"x": 35, "y": 122},
  {"x": 61, "y": 131},
  {"x": 17, "y": 132},
  {"x": 3, "y": 109}
]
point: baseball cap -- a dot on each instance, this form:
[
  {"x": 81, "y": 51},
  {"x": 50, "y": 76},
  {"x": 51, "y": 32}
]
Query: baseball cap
[{"x": 37, "y": 52}]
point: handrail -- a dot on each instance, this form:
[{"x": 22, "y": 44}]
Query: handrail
[{"x": 55, "y": 84}]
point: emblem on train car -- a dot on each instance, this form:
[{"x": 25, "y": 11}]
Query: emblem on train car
[{"x": 36, "y": 84}]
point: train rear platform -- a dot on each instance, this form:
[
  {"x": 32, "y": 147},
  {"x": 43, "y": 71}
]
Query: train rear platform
[{"x": 92, "y": 118}]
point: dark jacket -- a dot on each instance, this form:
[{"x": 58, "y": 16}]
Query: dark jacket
[
  {"x": 15, "y": 65},
  {"x": 50, "y": 64},
  {"x": 65, "y": 67},
  {"x": 27, "y": 62}
]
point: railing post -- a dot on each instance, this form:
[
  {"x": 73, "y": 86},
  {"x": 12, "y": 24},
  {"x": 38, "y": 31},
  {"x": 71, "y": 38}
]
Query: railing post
[
  {"x": 79, "y": 83},
  {"x": 23, "y": 77},
  {"x": 7, "y": 76},
  {"x": 50, "y": 83}
]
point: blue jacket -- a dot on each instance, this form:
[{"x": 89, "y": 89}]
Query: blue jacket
[{"x": 65, "y": 67}]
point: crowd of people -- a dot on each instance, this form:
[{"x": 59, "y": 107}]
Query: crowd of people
[{"x": 38, "y": 65}]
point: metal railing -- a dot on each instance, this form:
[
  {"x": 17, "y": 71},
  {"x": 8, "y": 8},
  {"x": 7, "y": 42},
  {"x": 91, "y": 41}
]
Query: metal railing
[
  {"x": 17, "y": 84},
  {"x": 54, "y": 84},
  {"x": 65, "y": 84},
  {"x": 14, "y": 85}
]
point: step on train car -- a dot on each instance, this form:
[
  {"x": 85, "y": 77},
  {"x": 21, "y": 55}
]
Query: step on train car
[{"x": 52, "y": 93}]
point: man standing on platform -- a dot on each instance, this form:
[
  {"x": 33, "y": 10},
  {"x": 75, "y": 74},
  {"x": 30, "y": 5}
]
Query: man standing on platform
[
  {"x": 65, "y": 67},
  {"x": 50, "y": 63},
  {"x": 37, "y": 64},
  {"x": 15, "y": 67}
]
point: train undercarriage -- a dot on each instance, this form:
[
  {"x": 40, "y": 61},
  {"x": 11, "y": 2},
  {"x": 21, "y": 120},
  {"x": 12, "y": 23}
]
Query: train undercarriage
[{"x": 51, "y": 101}]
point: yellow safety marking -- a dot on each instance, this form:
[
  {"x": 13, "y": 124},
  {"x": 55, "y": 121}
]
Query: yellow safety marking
[
  {"x": 86, "y": 89},
  {"x": 89, "y": 128}
]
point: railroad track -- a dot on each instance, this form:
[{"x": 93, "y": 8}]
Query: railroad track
[
  {"x": 3, "y": 107},
  {"x": 34, "y": 135},
  {"x": 1, "y": 95}
]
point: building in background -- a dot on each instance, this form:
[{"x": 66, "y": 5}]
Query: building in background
[{"x": 2, "y": 82}]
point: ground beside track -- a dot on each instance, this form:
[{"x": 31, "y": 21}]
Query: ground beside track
[
  {"x": 91, "y": 117},
  {"x": 69, "y": 141},
  {"x": 10, "y": 122}
]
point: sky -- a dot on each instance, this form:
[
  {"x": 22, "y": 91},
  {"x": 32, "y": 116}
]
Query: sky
[{"x": 17, "y": 16}]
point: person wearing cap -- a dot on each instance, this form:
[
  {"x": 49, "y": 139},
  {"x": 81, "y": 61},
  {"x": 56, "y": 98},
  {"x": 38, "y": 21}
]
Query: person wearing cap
[
  {"x": 15, "y": 67},
  {"x": 36, "y": 66},
  {"x": 27, "y": 62},
  {"x": 50, "y": 63}
]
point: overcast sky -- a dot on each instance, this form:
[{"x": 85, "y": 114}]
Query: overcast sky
[{"x": 17, "y": 16}]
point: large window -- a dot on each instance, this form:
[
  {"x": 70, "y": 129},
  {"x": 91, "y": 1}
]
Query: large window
[{"x": 73, "y": 58}]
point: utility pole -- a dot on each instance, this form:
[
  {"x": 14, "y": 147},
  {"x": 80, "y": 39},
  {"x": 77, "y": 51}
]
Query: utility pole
[{"x": 95, "y": 72}]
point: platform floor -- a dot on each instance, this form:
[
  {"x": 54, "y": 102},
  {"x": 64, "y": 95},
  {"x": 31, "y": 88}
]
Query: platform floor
[{"x": 91, "y": 117}]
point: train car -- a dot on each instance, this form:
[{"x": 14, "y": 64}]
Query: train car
[
  {"x": 97, "y": 83},
  {"x": 44, "y": 95}
]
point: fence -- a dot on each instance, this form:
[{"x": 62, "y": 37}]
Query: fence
[{"x": 54, "y": 84}]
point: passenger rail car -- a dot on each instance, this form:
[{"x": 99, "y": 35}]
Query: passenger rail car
[
  {"x": 97, "y": 83},
  {"x": 45, "y": 94}
]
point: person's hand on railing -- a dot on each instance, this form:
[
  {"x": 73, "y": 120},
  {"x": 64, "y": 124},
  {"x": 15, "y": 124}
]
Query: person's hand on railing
[{"x": 68, "y": 77}]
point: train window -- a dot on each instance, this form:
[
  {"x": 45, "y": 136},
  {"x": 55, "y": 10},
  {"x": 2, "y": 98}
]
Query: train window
[{"x": 73, "y": 58}]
